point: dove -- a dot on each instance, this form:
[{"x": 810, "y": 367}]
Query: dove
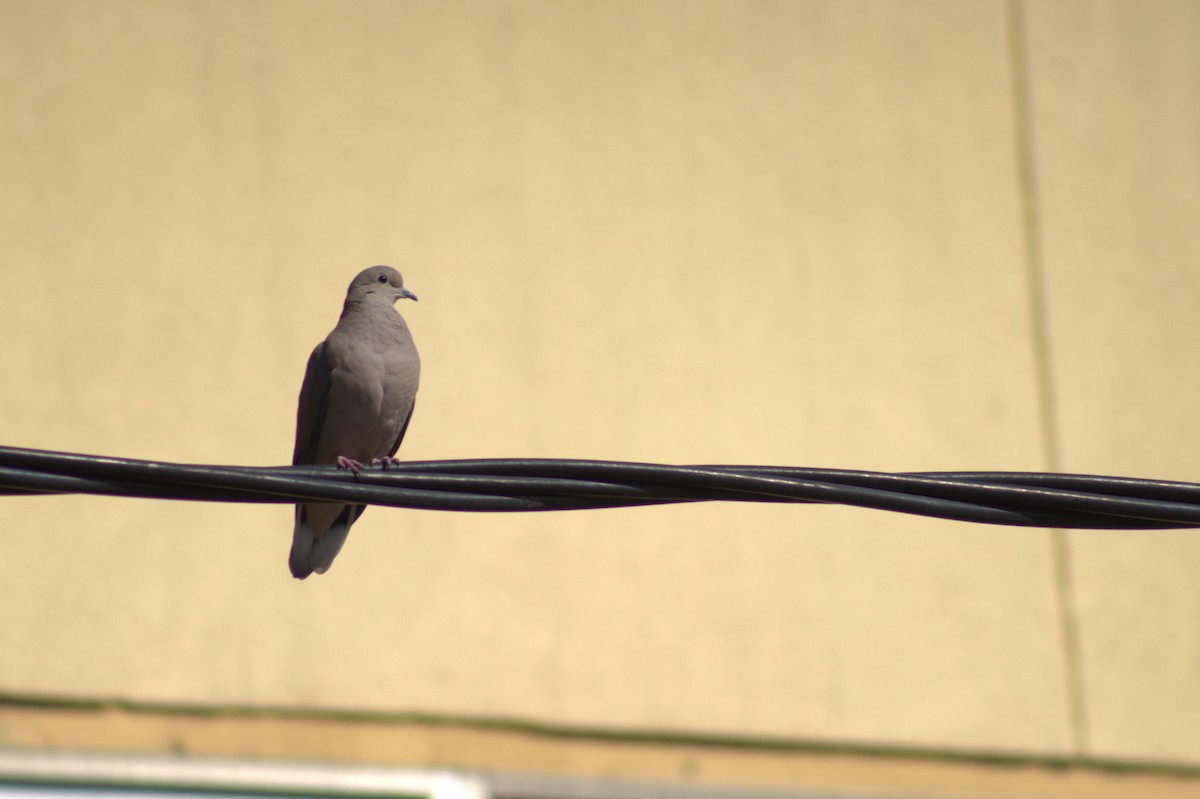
[{"x": 355, "y": 404}]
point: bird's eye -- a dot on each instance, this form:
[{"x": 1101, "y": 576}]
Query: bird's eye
[{"x": 383, "y": 278}]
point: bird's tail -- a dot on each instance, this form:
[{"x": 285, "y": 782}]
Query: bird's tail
[{"x": 314, "y": 548}]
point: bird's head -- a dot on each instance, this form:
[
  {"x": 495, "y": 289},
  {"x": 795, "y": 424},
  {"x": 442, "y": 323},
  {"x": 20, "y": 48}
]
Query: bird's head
[{"x": 379, "y": 282}]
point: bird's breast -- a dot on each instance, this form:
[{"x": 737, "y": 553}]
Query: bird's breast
[{"x": 374, "y": 374}]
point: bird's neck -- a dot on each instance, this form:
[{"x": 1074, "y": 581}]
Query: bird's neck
[{"x": 360, "y": 304}]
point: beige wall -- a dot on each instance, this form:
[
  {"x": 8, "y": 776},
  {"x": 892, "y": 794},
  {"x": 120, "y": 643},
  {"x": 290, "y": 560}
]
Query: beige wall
[{"x": 819, "y": 233}]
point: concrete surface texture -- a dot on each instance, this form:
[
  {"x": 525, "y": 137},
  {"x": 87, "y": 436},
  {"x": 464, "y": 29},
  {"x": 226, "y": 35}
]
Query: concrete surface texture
[{"x": 862, "y": 234}]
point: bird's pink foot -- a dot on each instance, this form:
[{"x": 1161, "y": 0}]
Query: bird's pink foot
[
  {"x": 349, "y": 463},
  {"x": 386, "y": 462}
]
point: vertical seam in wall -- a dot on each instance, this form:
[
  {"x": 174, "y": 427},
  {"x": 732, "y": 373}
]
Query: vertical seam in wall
[{"x": 1035, "y": 273}]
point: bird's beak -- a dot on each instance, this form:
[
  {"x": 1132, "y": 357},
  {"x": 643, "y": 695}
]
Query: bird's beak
[{"x": 405, "y": 294}]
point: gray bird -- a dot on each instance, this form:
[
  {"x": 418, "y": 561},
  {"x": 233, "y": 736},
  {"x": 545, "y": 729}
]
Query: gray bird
[{"x": 357, "y": 398}]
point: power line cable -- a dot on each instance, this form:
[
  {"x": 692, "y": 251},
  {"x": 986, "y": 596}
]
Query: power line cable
[{"x": 1031, "y": 499}]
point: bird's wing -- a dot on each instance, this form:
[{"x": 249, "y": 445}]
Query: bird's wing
[
  {"x": 403, "y": 430},
  {"x": 314, "y": 404}
]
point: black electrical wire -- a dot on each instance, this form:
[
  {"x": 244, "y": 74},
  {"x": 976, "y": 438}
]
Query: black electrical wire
[{"x": 1031, "y": 499}]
